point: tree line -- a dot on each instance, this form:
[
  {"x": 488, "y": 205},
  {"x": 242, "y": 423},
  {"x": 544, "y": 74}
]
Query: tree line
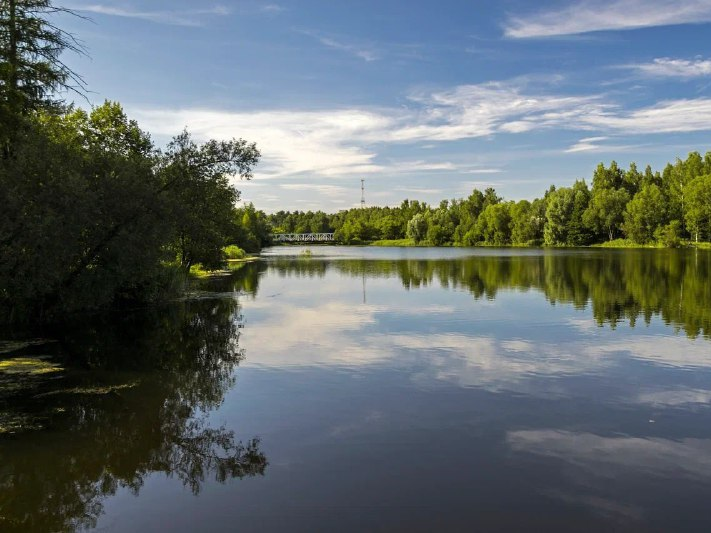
[
  {"x": 94, "y": 214},
  {"x": 644, "y": 207}
]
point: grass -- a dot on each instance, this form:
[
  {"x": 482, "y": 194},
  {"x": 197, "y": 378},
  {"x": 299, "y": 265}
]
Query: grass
[
  {"x": 625, "y": 243},
  {"x": 394, "y": 242}
]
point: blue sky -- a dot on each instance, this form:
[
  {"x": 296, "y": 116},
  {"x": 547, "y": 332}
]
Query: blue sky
[{"x": 425, "y": 100}]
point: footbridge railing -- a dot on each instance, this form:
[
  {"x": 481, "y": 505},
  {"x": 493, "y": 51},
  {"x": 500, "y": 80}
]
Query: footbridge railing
[{"x": 302, "y": 237}]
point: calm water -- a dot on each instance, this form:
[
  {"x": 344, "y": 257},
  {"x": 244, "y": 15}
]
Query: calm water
[{"x": 366, "y": 389}]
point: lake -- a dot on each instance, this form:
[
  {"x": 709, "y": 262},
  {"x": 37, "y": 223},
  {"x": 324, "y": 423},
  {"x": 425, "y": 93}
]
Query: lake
[{"x": 375, "y": 389}]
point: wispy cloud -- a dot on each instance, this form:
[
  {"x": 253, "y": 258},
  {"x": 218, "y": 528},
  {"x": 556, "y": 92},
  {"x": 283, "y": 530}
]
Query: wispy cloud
[
  {"x": 328, "y": 190},
  {"x": 666, "y": 67},
  {"x": 364, "y": 52},
  {"x": 597, "y": 15},
  {"x": 187, "y": 17},
  {"x": 482, "y": 171},
  {"x": 346, "y": 142},
  {"x": 671, "y": 116},
  {"x": 273, "y": 8},
  {"x": 587, "y": 144}
]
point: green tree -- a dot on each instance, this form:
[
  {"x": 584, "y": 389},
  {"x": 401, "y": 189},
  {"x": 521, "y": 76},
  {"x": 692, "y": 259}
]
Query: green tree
[
  {"x": 196, "y": 179},
  {"x": 644, "y": 214},
  {"x": 559, "y": 208},
  {"x": 698, "y": 213},
  {"x": 606, "y": 211},
  {"x": 578, "y": 232},
  {"x": 494, "y": 224},
  {"x": 31, "y": 71},
  {"x": 417, "y": 228}
]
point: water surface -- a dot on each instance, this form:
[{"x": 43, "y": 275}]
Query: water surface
[{"x": 375, "y": 389}]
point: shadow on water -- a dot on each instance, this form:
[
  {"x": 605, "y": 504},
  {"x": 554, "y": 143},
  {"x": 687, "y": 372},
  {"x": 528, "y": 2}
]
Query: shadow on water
[{"x": 113, "y": 400}]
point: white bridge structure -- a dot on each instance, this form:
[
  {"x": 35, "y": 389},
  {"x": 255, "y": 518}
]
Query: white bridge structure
[{"x": 303, "y": 237}]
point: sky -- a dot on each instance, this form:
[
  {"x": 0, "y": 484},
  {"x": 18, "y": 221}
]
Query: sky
[{"x": 424, "y": 100}]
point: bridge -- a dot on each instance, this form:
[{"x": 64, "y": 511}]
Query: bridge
[{"x": 303, "y": 237}]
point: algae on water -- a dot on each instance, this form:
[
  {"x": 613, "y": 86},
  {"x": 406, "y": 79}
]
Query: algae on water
[{"x": 29, "y": 365}]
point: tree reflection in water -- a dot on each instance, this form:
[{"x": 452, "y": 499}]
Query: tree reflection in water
[
  {"x": 130, "y": 401},
  {"x": 618, "y": 285}
]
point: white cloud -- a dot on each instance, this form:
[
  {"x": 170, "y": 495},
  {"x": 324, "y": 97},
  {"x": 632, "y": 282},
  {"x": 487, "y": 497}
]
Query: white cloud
[
  {"x": 666, "y": 67},
  {"x": 188, "y": 17},
  {"x": 589, "y": 16},
  {"x": 482, "y": 171},
  {"x": 324, "y": 143},
  {"x": 471, "y": 111},
  {"x": 670, "y": 116},
  {"x": 347, "y": 142},
  {"x": 589, "y": 144}
]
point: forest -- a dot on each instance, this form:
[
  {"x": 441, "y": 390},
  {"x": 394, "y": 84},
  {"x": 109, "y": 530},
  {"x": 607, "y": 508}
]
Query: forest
[
  {"x": 627, "y": 207},
  {"x": 94, "y": 214}
]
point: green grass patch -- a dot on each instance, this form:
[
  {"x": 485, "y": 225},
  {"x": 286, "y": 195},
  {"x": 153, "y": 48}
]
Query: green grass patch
[
  {"x": 625, "y": 243},
  {"x": 394, "y": 242},
  {"x": 198, "y": 271}
]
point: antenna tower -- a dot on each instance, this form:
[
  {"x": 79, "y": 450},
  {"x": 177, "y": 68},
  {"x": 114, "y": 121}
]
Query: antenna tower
[{"x": 362, "y": 193}]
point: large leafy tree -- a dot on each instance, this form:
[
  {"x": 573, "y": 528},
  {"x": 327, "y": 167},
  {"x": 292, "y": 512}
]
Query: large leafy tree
[
  {"x": 558, "y": 213},
  {"x": 698, "y": 212},
  {"x": 646, "y": 212},
  {"x": 197, "y": 182},
  {"x": 606, "y": 211}
]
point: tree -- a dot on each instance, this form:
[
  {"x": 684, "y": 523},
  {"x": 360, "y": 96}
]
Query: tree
[
  {"x": 608, "y": 178},
  {"x": 417, "y": 228},
  {"x": 31, "y": 72},
  {"x": 645, "y": 213},
  {"x": 252, "y": 230},
  {"x": 579, "y": 233},
  {"x": 558, "y": 213},
  {"x": 493, "y": 224},
  {"x": 606, "y": 211},
  {"x": 82, "y": 224},
  {"x": 196, "y": 179},
  {"x": 698, "y": 213}
]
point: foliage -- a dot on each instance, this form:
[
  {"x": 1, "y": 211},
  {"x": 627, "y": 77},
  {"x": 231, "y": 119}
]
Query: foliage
[
  {"x": 251, "y": 228},
  {"x": 95, "y": 215},
  {"x": 644, "y": 214},
  {"x": 417, "y": 228},
  {"x": 234, "y": 252},
  {"x": 606, "y": 211},
  {"x": 31, "y": 71},
  {"x": 698, "y": 210},
  {"x": 669, "y": 235}
]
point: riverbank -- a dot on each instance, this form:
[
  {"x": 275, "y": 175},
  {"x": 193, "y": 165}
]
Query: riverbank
[{"x": 198, "y": 272}]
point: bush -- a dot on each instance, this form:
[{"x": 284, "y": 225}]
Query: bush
[
  {"x": 669, "y": 235},
  {"x": 234, "y": 252}
]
